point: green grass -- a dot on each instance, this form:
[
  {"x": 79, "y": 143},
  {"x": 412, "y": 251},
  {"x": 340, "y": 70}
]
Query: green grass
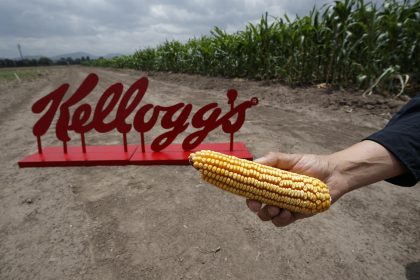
[{"x": 23, "y": 74}]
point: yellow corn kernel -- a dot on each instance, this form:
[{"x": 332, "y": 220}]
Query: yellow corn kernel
[{"x": 287, "y": 190}]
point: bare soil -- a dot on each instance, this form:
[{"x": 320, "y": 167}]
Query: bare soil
[{"x": 163, "y": 222}]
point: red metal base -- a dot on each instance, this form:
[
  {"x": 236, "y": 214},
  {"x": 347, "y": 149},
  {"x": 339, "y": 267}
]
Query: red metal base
[
  {"x": 95, "y": 155},
  {"x": 115, "y": 155},
  {"x": 174, "y": 154}
]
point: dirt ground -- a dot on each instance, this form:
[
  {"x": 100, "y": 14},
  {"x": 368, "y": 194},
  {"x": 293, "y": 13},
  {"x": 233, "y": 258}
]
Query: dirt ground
[{"x": 163, "y": 222}]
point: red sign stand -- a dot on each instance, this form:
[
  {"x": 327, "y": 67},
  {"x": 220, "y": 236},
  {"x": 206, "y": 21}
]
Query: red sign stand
[
  {"x": 115, "y": 155},
  {"x": 175, "y": 155},
  {"x": 94, "y": 155},
  {"x": 161, "y": 151}
]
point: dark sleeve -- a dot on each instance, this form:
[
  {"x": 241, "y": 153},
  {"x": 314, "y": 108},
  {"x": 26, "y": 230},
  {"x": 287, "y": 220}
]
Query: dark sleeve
[{"x": 401, "y": 136}]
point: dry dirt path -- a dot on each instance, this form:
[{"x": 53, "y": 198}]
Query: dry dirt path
[{"x": 163, "y": 222}]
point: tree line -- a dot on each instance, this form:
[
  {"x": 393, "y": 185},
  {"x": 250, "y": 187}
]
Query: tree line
[{"x": 42, "y": 61}]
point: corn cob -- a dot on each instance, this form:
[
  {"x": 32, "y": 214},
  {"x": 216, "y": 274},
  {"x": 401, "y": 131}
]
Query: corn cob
[{"x": 269, "y": 185}]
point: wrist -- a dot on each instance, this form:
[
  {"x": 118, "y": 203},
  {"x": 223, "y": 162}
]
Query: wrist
[
  {"x": 339, "y": 180},
  {"x": 363, "y": 164}
]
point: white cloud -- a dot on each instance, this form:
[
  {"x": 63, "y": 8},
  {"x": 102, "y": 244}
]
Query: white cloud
[
  {"x": 51, "y": 27},
  {"x": 159, "y": 11}
]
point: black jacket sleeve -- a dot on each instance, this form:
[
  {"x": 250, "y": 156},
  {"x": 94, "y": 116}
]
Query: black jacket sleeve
[{"x": 401, "y": 136}]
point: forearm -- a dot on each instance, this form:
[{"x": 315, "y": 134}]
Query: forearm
[{"x": 362, "y": 164}]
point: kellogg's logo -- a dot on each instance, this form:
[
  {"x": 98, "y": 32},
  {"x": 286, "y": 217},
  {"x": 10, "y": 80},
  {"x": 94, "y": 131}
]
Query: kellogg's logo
[{"x": 76, "y": 115}]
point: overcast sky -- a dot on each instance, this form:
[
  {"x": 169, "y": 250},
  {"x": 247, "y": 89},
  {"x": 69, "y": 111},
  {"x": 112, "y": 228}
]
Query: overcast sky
[{"x": 100, "y": 27}]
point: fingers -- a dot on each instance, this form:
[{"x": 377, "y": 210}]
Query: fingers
[
  {"x": 273, "y": 211},
  {"x": 283, "y": 219},
  {"x": 263, "y": 214},
  {"x": 253, "y": 205},
  {"x": 269, "y": 159},
  {"x": 279, "y": 217},
  {"x": 279, "y": 160}
]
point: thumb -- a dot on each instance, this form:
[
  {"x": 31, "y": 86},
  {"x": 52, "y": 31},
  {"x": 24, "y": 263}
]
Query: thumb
[
  {"x": 279, "y": 160},
  {"x": 269, "y": 159}
]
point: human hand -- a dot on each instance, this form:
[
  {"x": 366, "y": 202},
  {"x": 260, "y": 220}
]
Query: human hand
[{"x": 317, "y": 166}]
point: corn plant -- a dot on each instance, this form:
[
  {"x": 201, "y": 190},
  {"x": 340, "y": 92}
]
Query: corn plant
[{"x": 350, "y": 43}]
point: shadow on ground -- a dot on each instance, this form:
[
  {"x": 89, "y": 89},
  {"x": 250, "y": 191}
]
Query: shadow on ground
[{"x": 412, "y": 271}]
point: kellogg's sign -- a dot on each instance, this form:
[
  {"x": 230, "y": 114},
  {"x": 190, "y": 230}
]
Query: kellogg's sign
[{"x": 74, "y": 114}]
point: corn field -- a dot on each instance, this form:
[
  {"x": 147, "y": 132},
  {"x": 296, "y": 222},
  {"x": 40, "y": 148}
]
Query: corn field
[{"x": 351, "y": 44}]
